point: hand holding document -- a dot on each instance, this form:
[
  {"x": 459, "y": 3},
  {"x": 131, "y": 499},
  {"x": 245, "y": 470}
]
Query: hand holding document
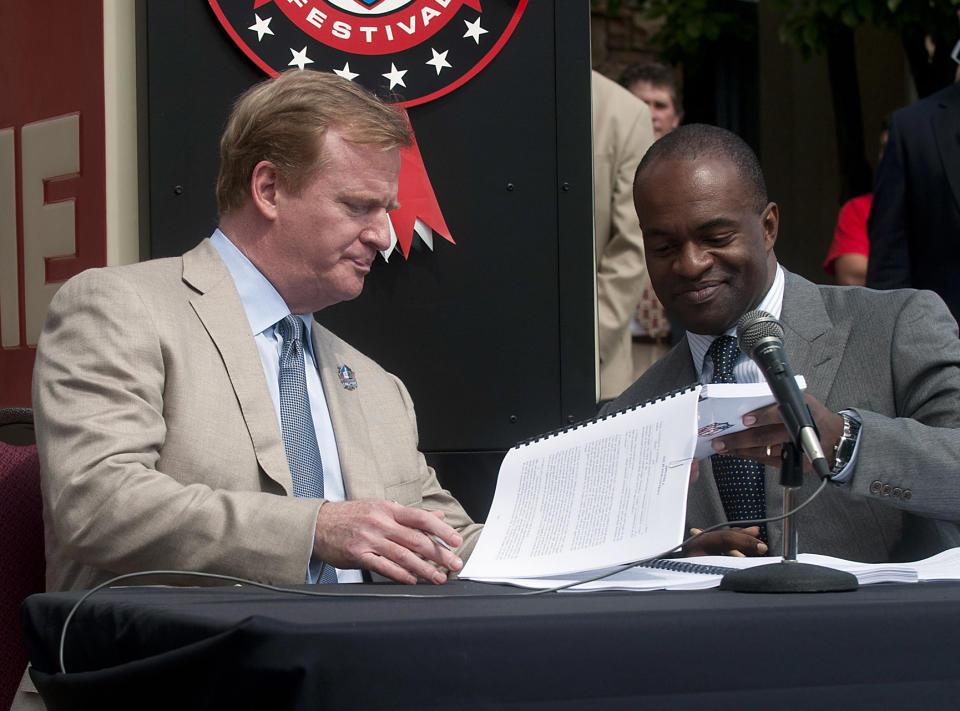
[{"x": 723, "y": 405}]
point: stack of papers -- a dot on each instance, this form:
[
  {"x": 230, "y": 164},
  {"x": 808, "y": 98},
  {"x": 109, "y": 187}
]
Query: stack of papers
[{"x": 707, "y": 571}]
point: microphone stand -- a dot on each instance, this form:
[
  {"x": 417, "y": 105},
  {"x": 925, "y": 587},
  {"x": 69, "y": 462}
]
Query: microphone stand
[{"x": 789, "y": 576}]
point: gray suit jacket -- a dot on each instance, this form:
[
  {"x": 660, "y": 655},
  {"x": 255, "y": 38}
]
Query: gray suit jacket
[
  {"x": 159, "y": 444},
  {"x": 894, "y": 357}
]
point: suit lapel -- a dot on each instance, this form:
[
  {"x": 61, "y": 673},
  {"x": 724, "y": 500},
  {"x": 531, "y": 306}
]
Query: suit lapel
[
  {"x": 348, "y": 416},
  {"x": 946, "y": 131},
  {"x": 814, "y": 344},
  {"x": 219, "y": 308}
]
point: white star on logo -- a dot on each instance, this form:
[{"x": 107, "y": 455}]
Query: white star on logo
[
  {"x": 439, "y": 60},
  {"x": 261, "y": 27},
  {"x": 345, "y": 72},
  {"x": 395, "y": 76},
  {"x": 474, "y": 30},
  {"x": 300, "y": 58}
]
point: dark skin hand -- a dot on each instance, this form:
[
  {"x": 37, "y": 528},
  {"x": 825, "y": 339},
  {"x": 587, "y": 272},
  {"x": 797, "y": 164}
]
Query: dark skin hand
[
  {"x": 742, "y": 540},
  {"x": 723, "y": 542},
  {"x": 766, "y": 429}
]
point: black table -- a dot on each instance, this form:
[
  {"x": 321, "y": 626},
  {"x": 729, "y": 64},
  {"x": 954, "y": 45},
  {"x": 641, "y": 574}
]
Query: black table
[{"x": 883, "y": 646}]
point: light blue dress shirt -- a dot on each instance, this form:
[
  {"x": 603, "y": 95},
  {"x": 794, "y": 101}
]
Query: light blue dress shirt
[{"x": 264, "y": 307}]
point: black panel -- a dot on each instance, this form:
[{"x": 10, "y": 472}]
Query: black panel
[
  {"x": 493, "y": 335},
  {"x": 472, "y": 476}
]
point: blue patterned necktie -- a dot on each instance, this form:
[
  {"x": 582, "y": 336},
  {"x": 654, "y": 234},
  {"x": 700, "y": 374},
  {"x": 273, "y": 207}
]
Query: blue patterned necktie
[
  {"x": 739, "y": 481},
  {"x": 296, "y": 422}
]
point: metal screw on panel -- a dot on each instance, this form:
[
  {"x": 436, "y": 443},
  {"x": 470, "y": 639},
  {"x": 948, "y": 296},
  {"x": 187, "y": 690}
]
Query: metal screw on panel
[
  {"x": 178, "y": 190},
  {"x": 510, "y": 187}
]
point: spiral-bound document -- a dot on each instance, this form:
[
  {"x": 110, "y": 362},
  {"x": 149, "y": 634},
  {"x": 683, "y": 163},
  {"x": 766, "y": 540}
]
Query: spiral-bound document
[{"x": 595, "y": 495}]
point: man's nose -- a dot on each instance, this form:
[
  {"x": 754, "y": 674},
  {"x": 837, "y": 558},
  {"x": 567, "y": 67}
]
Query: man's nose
[
  {"x": 692, "y": 261},
  {"x": 377, "y": 232}
]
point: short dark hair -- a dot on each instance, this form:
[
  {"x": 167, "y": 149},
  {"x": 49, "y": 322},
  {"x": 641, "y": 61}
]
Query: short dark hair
[
  {"x": 700, "y": 140},
  {"x": 657, "y": 75}
]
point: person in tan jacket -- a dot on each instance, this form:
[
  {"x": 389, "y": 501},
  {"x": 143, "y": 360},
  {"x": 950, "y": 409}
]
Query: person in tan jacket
[{"x": 622, "y": 133}]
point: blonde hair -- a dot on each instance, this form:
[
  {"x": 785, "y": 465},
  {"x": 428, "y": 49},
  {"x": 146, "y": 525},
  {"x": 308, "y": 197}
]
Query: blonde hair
[{"x": 283, "y": 120}]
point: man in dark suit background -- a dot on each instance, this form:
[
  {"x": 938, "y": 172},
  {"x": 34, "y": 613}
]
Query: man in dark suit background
[
  {"x": 882, "y": 368},
  {"x": 914, "y": 223}
]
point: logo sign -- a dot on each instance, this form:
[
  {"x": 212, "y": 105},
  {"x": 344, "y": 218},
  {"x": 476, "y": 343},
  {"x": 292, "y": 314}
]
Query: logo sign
[{"x": 408, "y": 52}]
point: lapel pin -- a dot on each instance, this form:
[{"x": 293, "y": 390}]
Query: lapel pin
[{"x": 347, "y": 378}]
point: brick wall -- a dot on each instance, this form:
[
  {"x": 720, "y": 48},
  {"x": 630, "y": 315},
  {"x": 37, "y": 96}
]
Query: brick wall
[{"x": 619, "y": 41}]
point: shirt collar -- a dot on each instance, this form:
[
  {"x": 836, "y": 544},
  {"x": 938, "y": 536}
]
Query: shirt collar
[
  {"x": 261, "y": 301},
  {"x": 772, "y": 303}
]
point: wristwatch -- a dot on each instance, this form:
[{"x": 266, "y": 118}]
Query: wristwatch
[{"x": 843, "y": 450}]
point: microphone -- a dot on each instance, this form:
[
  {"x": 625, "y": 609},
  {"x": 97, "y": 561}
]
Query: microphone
[{"x": 760, "y": 337}]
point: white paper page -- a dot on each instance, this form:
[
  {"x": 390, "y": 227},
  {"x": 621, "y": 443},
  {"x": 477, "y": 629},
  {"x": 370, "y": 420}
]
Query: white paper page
[
  {"x": 942, "y": 566},
  {"x": 723, "y": 406},
  {"x": 866, "y": 572},
  {"x": 600, "y": 495}
]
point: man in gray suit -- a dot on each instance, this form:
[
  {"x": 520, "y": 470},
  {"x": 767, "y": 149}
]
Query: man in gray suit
[
  {"x": 882, "y": 368},
  {"x": 158, "y": 408}
]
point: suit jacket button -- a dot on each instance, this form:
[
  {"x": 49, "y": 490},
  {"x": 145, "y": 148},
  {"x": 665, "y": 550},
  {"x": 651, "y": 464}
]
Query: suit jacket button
[
  {"x": 907, "y": 494},
  {"x": 885, "y": 490},
  {"x": 897, "y": 492},
  {"x": 875, "y": 487}
]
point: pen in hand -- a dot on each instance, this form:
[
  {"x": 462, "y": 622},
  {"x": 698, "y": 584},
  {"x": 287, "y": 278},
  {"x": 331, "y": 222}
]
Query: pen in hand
[{"x": 435, "y": 539}]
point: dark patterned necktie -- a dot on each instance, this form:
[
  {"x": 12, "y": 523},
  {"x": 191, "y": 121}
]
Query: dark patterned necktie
[
  {"x": 739, "y": 481},
  {"x": 296, "y": 422}
]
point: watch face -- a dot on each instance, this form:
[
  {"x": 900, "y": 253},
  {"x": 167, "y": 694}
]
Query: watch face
[{"x": 848, "y": 442}]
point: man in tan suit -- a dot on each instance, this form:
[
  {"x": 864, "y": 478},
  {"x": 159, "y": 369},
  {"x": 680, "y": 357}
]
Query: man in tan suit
[
  {"x": 622, "y": 133},
  {"x": 155, "y": 388}
]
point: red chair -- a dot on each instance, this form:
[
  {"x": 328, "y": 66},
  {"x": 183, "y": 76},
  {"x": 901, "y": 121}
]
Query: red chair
[{"x": 21, "y": 556}]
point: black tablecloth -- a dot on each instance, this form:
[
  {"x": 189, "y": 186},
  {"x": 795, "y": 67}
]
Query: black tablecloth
[{"x": 883, "y": 646}]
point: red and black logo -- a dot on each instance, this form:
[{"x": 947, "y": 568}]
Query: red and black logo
[{"x": 407, "y": 51}]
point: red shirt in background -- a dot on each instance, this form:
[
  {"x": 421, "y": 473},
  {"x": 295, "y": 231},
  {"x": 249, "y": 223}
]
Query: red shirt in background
[{"x": 850, "y": 235}]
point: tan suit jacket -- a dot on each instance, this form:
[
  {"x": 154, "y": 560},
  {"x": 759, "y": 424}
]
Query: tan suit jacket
[
  {"x": 622, "y": 133},
  {"x": 159, "y": 443}
]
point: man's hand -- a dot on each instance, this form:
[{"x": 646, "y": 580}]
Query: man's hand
[
  {"x": 765, "y": 434},
  {"x": 725, "y": 542},
  {"x": 386, "y": 538}
]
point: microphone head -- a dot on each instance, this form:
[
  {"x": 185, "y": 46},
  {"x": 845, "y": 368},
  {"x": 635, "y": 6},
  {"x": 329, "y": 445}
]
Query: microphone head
[{"x": 755, "y": 327}]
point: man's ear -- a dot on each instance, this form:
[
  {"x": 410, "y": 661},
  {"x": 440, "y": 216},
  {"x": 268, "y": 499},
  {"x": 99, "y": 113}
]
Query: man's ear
[
  {"x": 263, "y": 188},
  {"x": 771, "y": 223}
]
